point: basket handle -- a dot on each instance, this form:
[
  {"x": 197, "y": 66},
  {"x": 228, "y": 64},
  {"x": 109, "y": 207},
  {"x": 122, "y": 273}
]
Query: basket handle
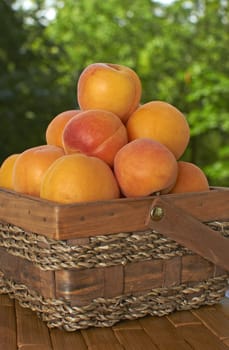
[{"x": 177, "y": 224}]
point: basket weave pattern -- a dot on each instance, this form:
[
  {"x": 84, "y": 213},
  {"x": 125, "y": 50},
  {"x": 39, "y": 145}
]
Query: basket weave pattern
[
  {"x": 105, "y": 251},
  {"x": 107, "y": 312}
]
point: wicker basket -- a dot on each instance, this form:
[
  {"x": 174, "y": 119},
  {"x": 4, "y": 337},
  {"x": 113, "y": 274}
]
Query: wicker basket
[{"x": 94, "y": 264}]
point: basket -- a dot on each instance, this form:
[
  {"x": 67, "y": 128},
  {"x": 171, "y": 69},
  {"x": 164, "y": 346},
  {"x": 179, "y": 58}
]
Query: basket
[{"x": 95, "y": 264}]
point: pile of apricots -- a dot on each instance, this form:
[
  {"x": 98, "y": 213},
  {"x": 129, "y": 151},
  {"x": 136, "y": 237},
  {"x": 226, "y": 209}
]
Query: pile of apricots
[{"x": 113, "y": 146}]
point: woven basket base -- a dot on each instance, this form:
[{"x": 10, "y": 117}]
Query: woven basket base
[{"x": 106, "y": 312}]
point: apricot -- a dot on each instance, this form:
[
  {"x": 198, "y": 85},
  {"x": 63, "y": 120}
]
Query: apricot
[
  {"x": 56, "y": 126},
  {"x": 79, "y": 178},
  {"x": 96, "y": 133},
  {"x": 30, "y": 166},
  {"x": 190, "y": 178},
  {"x": 112, "y": 87},
  {"x": 162, "y": 122},
  {"x": 6, "y": 171},
  {"x": 144, "y": 166}
]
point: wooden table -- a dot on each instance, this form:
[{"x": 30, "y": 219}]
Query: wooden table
[{"x": 206, "y": 328}]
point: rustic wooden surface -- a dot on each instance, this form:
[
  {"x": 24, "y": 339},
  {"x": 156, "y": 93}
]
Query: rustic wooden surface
[
  {"x": 206, "y": 328},
  {"x": 71, "y": 221}
]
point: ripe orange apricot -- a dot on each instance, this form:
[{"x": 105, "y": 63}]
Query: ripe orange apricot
[
  {"x": 144, "y": 166},
  {"x": 6, "y": 171},
  {"x": 162, "y": 122},
  {"x": 30, "y": 166},
  {"x": 56, "y": 126},
  {"x": 95, "y": 132},
  {"x": 190, "y": 178},
  {"x": 79, "y": 178},
  {"x": 112, "y": 87}
]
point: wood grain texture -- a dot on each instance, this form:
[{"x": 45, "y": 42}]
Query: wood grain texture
[
  {"x": 172, "y": 272},
  {"x": 31, "y": 331},
  {"x": 135, "y": 339},
  {"x": 213, "y": 319},
  {"x": 163, "y": 334},
  {"x": 196, "y": 269},
  {"x": 143, "y": 276},
  {"x": 81, "y": 286},
  {"x": 182, "y": 227},
  {"x": 62, "y": 340},
  {"x": 200, "y": 338},
  {"x": 25, "y": 272},
  {"x": 183, "y": 330},
  {"x": 8, "y": 340},
  {"x": 101, "y": 339},
  {"x": 70, "y": 221}
]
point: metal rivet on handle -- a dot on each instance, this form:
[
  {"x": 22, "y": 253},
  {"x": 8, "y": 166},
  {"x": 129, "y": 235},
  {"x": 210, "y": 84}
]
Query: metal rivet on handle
[{"x": 157, "y": 213}]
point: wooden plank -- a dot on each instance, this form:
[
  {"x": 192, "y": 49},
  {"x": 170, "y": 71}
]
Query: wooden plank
[
  {"x": 80, "y": 286},
  {"x": 163, "y": 334},
  {"x": 27, "y": 212},
  {"x": 6, "y": 301},
  {"x": 204, "y": 206},
  {"x": 69, "y": 221},
  {"x": 199, "y": 337},
  {"x": 25, "y": 272},
  {"x": 31, "y": 331},
  {"x": 183, "y": 318},
  {"x": 8, "y": 339},
  {"x": 143, "y": 276},
  {"x": 111, "y": 216},
  {"x": 195, "y": 269},
  {"x": 62, "y": 340},
  {"x": 189, "y": 232},
  {"x": 132, "y": 324},
  {"x": 215, "y": 320},
  {"x": 83, "y": 285},
  {"x": 172, "y": 272},
  {"x": 135, "y": 339},
  {"x": 113, "y": 281},
  {"x": 101, "y": 339}
]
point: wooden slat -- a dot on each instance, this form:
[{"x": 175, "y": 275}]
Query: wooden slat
[
  {"x": 181, "y": 330},
  {"x": 25, "y": 272},
  {"x": 129, "y": 214},
  {"x": 6, "y": 301},
  {"x": 70, "y": 221},
  {"x": 204, "y": 206},
  {"x": 27, "y": 212},
  {"x": 172, "y": 272},
  {"x": 7, "y": 325},
  {"x": 101, "y": 339},
  {"x": 183, "y": 318},
  {"x": 196, "y": 269},
  {"x": 31, "y": 331},
  {"x": 189, "y": 232},
  {"x": 143, "y": 276},
  {"x": 135, "y": 339},
  {"x": 163, "y": 334},
  {"x": 62, "y": 340},
  {"x": 133, "y": 324},
  {"x": 213, "y": 319},
  {"x": 199, "y": 337},
  {"x": 80, "y": 285},
  {"x": 113, "y": 281}
]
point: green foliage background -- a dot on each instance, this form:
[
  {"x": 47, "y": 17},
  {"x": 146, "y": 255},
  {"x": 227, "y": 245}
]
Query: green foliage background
[{"x": 180, "y": 52}]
